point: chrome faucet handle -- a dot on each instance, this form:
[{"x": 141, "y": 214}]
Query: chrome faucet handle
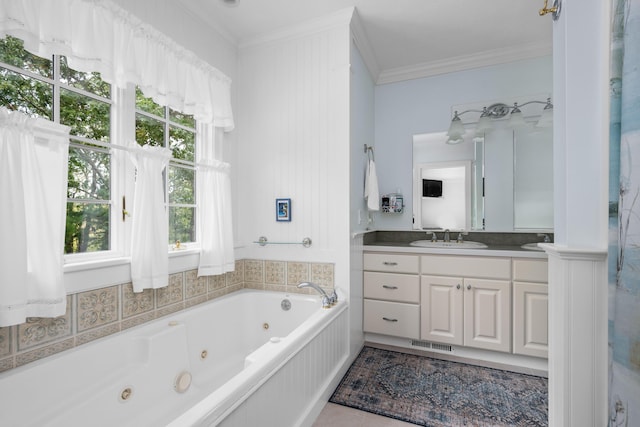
[
  {"x": 333, "y": 298},
  {"x": 459, "y": 239},
  {"x": 547, "y": 239},
  {"x": 434, "y": 237},
  {"x": 326, "y": 302}
]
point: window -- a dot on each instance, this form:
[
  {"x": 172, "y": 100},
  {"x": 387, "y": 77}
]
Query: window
[
  {"x": 161, "y": 126},
  {"x": 49, "y": 88}
]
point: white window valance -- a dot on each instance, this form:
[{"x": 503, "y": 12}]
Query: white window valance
[{"x": 98, "y": 35}]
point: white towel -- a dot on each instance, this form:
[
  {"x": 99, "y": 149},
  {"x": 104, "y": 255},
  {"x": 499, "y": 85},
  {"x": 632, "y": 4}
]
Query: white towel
[{"x": 371, "y": 192}]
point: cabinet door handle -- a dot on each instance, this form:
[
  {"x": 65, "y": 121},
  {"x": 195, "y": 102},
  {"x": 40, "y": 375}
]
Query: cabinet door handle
[
  {"x": 389, "y": 287},
  {"x": 390, "y": 263},
  {"x": 468, "y": 287},
  {"x": 389, "y": 320},
  {"x": 458, "y": 286}
]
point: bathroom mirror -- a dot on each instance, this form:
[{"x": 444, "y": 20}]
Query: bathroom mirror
[{"x": 509, "y": 180}]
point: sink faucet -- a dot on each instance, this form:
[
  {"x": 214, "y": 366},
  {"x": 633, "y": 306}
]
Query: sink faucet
[
  {"x": 434, "y": 237},
  {"x": 446, "y": 237},
  {"x": 459, "y": 239},
  {"x": 326, "y": 299},
  {"x": 547, "y": 239}
]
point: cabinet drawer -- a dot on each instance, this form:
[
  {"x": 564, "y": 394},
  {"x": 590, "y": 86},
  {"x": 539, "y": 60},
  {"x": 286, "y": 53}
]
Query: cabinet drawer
[
  {"x": 530, "y": 270},
  {"x": 467, "y": 266},
  {"x": 392, "y": 287},
  {"x": 392, "y": 318},
  {"x": 392, "y": 263}
]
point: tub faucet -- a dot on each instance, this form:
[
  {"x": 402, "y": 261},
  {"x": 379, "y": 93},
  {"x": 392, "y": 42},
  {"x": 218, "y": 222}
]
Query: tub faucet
[
  {"x": 446, "y": 237},
  {"x": 326, "y": 299}
]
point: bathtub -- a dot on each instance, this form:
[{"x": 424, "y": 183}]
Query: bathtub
[{"x": 240, "y": 360}]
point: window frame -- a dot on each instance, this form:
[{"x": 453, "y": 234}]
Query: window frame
[
  {"x": 174, "y": 162},
  {"x": 91, "y": 270}
]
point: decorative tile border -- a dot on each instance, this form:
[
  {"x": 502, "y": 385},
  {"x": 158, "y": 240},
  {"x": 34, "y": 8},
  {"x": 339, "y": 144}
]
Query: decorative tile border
[
  {"x": 274, "y": 272},
  {"x": 37, "y": 331},
  {"x": 297, "y": 272},
  {"x": 5, "y": 341},
  {"x": 97, "y": 308},
  {"x": 101, "y": 312}
]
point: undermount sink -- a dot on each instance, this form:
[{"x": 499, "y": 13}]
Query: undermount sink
[
  {"x": 448, "y": 245},
  {"x": 532, "y": 247}
]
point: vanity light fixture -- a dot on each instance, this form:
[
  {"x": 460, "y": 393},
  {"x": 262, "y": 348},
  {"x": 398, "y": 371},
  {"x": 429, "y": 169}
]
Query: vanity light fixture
[
  {"x": 456, "y": 129},
  {"x": 516, "y": 120},
  {"x": 455, "y": 134}
]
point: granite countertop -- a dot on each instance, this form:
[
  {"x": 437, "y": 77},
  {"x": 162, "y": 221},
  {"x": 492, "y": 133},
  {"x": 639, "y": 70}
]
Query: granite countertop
[{"x": 499, "y": 244}]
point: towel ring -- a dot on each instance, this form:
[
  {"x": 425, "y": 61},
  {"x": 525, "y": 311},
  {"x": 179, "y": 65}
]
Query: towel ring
[{"x": 369, "y": 149}]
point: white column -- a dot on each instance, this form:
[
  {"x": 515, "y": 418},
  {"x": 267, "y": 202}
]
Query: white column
[
  {"x": 577, "y": 337},
  {"x": 577, "y": 260}
]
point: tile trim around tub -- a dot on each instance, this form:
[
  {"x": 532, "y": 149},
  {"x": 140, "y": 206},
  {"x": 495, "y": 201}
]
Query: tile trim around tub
[{"x": 101, "y": 312}]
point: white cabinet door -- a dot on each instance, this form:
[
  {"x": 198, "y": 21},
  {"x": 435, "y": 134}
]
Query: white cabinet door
[
  {"x": 530, "y": 319},
  {"x": 487, "y": 314},
  {"x": 441, "y": 309}
]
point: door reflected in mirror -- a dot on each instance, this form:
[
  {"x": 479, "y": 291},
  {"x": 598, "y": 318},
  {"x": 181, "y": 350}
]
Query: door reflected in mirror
[{"x": 444, "y": 195}]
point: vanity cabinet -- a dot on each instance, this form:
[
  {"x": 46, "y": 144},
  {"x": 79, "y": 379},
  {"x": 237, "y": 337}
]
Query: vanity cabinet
[
  {"x": 530, "y": 308},
  {"x": 392, "y": 295},
  {"x": 466, "y": 301},
  {"x": 490, "y": 303}
]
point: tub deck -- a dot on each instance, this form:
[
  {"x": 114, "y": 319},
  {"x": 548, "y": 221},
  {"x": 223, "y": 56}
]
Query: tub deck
[{"x": 130, "y": 378}]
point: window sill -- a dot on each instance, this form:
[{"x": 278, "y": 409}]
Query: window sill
[{"x": 95, "y": 274}]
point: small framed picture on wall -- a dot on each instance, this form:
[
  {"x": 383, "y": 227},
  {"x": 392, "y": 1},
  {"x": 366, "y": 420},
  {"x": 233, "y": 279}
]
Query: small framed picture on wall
[{"x": 283, "y": 209}]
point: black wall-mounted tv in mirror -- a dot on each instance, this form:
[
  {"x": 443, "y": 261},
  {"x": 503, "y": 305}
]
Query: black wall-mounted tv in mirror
[{"x": 431, "y": 188}]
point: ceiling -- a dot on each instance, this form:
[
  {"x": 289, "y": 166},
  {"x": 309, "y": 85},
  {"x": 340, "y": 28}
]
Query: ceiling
[{"x": 407, "y": 38}]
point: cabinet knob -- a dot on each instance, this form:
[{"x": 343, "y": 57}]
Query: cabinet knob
[
  {"x": 390, "y": 263},
  {"x": 458, "y": 286},
  {"x": 389, "y": 287},
  {"x": 468, "y": 287},
  {"x": 389, "y": 320}
]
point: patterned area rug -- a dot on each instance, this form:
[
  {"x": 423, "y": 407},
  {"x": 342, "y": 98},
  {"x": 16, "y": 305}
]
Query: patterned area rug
[{"x": 435, "y": 393}]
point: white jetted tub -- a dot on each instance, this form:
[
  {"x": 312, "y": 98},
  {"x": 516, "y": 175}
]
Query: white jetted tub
[{"x": 240, "y": 360}]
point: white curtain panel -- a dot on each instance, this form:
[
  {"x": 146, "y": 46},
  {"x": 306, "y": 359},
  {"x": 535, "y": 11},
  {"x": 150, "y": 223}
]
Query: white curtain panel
[
  {"x": 33, "y": 187},
  {"x": 213, "y": 189},
  {"x": 149, "y": 229},
  {"x": 98, "y": 35}
]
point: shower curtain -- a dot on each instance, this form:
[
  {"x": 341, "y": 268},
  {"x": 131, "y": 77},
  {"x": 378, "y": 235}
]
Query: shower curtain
[{"x": 624, "y": 216}]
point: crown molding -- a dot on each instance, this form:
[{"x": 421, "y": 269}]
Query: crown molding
[
  {"x": 361, "y": 41},
  {"x": 465, "y": 62},
  {"x": 341, "y": 18}
]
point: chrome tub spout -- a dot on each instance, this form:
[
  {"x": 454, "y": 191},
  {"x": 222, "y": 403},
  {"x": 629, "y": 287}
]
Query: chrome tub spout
[{"x": 326, "y": 299}]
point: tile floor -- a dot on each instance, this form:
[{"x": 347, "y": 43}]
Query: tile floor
[{"x": 333, "y": 415}]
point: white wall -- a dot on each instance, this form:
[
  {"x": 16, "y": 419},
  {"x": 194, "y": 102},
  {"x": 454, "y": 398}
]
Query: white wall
[
  {"x": 362, "y": 100},
  {"x": 293, "y": 142},
  {"x": 419, "y": 106}
]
